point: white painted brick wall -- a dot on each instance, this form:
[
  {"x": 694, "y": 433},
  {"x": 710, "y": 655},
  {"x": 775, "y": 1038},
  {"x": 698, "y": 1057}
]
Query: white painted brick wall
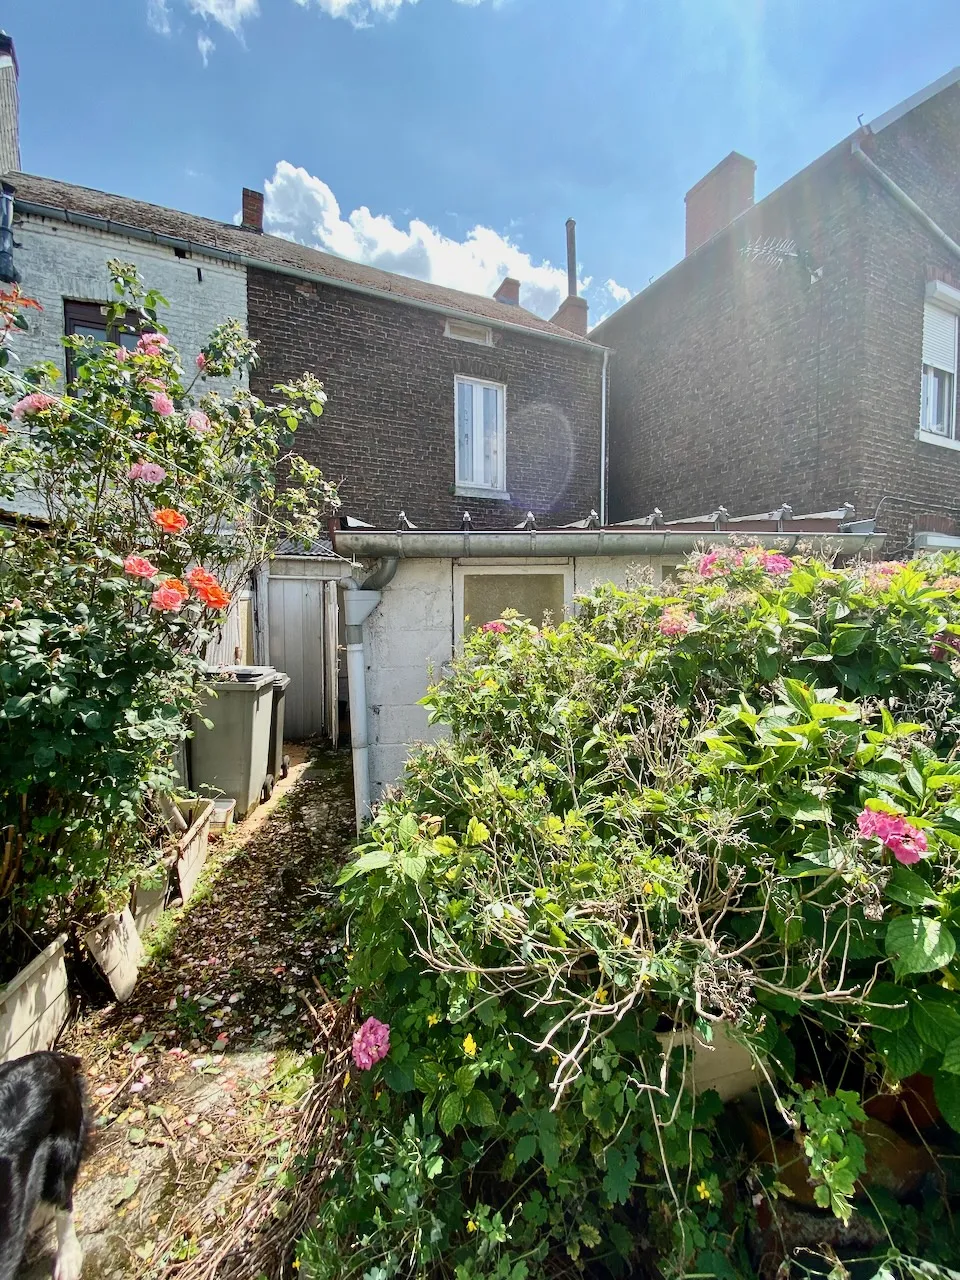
[{"x": 58, "y": 262}]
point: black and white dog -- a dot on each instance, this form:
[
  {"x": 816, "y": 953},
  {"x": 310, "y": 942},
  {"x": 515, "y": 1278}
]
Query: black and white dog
[{"x": 43, "y": 1130}]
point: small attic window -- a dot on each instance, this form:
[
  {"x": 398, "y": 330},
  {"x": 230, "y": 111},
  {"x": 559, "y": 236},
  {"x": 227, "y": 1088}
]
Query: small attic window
[{"x": 465, "y": 332}]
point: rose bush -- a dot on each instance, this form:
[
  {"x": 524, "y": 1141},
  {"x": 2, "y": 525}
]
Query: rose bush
[
  {"x": 157, "y": 495},
  {"x": 726, "y": 805}
]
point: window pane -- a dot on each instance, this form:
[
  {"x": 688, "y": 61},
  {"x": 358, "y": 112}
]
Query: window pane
[
  {"x": 533, "y": 595},
  {"x": 90, "y": 331},
  {"x": 465, "y": 432},
  {"x": 128, "y": 340},
  {"x": 491, "y": 437},
  {"x": 936, "y": 411}
]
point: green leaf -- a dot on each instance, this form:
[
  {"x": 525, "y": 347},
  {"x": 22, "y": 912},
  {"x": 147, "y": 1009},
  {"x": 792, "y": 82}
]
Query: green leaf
[
  {"x": 946, "y": 1090},
  {"x": 408, "y": 830},
  {"x": 466, "y": 1077},
  {"x": 910, "y": 888},
  {"x": 951, "y": 1058},
  {"x": 919, "y": 944},
  {"x": 413, "y": 865},
  {"x": 480, "y": 1109},
  {"x": 525, "y": 1149},
  {"x": 58, "y": 694},
  {"x": 901, "y": 1051},
  {"x": 451, "y": 1112},
  {"x": 935, "y": 1019},
  {"x": 621, "y": 1171},
  {"x": 887, "y": 1006},
  {"x": 846, "y": 639},
  {"x": 477, "y": 832}
]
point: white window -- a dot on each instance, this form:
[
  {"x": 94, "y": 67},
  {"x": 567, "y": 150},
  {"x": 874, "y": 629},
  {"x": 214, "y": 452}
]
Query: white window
[
  {"x": 481, "y": 438},
  {"x": 938, "y": 395}
]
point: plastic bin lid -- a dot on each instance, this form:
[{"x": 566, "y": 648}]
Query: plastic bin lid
[{"x": 280, "y": 681}]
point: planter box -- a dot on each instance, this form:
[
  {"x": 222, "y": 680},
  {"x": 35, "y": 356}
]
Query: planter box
[
  {"x": 194, "y": 844},
  {"x": 35, "y": 1006},
  {"x": 147, "y": 906},
  {"x": 222, "y": 820},
  {"x": 115, "y": 945},
  {"x": 725, "y": 1064}
]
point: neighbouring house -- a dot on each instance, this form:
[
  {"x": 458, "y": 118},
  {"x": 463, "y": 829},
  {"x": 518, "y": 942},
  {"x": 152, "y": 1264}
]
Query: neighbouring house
[
  {"x": 414, "y": 593},
  {"x": 805, "y": 349}
]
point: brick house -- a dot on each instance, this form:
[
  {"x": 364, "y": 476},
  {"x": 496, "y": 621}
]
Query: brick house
[{"x": 805, "y": 349}]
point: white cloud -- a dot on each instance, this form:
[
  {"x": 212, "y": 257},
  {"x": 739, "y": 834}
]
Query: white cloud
[
  {"x": 362, "y": 12},
  {"x": 229, "y": 13},
  {"x": 302, "y": 207},
  {"x": 206, "y": 47},
  {"x": 158, "y": 16}
]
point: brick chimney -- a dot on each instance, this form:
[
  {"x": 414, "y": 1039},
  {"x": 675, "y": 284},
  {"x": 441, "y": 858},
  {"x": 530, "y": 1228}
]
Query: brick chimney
[
  {"x": 252, "y": 219},
  {"x": 572, "y": 312},
  {"x": 509, "y": 292},
  {"x": 9, "y": 106},
  {"x": 718, "y": 198}
]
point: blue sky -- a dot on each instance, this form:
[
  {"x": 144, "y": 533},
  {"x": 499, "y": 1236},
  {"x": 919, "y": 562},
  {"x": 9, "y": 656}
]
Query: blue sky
[{"x": 452, "y": 138}]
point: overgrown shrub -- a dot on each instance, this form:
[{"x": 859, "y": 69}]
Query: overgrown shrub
[
  {"x": 725, "y": 805},
  {"x": 156, "y": 496}
]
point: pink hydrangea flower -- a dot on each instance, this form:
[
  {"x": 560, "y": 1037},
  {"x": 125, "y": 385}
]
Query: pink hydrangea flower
[
  {"x": 167, "y": 600},
  {"x": 148, "y": 472},
  {"x": 710, "y": 565},
  {"x": 371, "y": 1043},
  {"x": 36, "y": 402},
  {"x": 674, "y": 622},
  {"x": 777, "y": 564},
  {"x": 904, "y": 841},
  {"x": 201, "y": 362},
  {"x": 162, "y": 404},
  {"x": 498, "y": 627},
  {"x": 140, "y": 567},
  {"x": 198, "y": 421}
]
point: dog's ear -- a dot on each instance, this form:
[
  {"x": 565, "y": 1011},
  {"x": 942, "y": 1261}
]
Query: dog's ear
[{"x": 73, "y": 1061}]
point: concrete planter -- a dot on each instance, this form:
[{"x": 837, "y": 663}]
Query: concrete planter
[
  {"x": 725, "y": 1064},
  {"x": 35, "y": 1005},
  {"x": 194, "y": 844},
  {"x": 147, "y": 905},
  {"x": 115, "y": 945}
]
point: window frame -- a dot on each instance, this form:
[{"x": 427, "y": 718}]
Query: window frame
[
  {"x": 944, "y": 298},
  {"x": 471, "y": 488},
  {"x": 79, "y": 314},
  {"x": 521, "y": 566}
]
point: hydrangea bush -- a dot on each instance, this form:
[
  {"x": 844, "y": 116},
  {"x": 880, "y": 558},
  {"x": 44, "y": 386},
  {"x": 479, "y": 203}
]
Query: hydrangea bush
[
  {"x": 157, "y": 496},
  {"x": 724, "y": 806}
]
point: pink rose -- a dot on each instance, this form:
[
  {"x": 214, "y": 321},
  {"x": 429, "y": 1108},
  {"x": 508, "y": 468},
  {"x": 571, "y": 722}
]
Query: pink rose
[
  {"x": 198, "y": 421},
  {"x": 120, "y": 354},
  {"x": 150, "y": 343},
  {"x": 151, "y": 473},
  {"x": 166, "y": 600},
  {"x": 371, "y": 1043},
  {"x": 162, "y": 404},
  {"x": 36, "y": 402},
  {"x": 201, "y": 362},
  {"x": 140, "y": 567}
]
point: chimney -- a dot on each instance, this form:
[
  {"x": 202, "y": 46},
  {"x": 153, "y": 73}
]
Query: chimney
[
  {"x": 9, "y": 106},
  {"x": 718, "y": 198},
  {"x": 252, "y": 210},
  {"x": 572, "y": 312},
  {"x": 509, "y": 292}
]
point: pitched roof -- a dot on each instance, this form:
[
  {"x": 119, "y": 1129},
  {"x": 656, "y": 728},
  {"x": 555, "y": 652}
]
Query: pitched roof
[{"x": 120, "y": 212}]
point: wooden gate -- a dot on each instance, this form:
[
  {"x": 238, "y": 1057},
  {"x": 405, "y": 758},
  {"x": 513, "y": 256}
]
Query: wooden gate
[{"x": 303, "y": 629}]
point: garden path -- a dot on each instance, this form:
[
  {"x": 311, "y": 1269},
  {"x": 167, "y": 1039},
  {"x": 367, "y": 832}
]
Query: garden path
[{"x": 197, "y": 1081}]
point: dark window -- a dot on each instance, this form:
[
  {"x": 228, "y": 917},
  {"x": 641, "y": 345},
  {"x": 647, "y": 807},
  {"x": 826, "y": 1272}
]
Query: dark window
[{"x": 89, "y": 319}]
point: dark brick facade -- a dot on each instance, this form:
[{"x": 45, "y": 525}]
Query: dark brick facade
[
  {"x": 737, "y": 382},
  {"x": 388, "y": 432}
]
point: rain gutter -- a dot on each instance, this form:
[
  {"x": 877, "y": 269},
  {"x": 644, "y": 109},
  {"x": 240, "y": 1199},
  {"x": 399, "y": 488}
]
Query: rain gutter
[
  {"x": 420, "y": 545},
  {"x": 884, "y": 180}
]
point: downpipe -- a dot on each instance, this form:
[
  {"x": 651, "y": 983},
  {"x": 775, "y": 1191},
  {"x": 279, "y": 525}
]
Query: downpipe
[{"x": 359, "y": 601}]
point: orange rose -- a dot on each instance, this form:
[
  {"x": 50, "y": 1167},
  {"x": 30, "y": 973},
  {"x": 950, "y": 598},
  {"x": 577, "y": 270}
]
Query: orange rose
[
  {"x": 214, "y": 597},
  {"x": 170, "y": 521},
  {"x": 174, "y": 584},
  {"x": 201, "y": 578}
]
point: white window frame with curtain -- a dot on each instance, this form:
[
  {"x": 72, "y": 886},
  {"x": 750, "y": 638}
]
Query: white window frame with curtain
[
  {"x": 938, "y": 382},
  {"x": 481, "y": 462}
]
